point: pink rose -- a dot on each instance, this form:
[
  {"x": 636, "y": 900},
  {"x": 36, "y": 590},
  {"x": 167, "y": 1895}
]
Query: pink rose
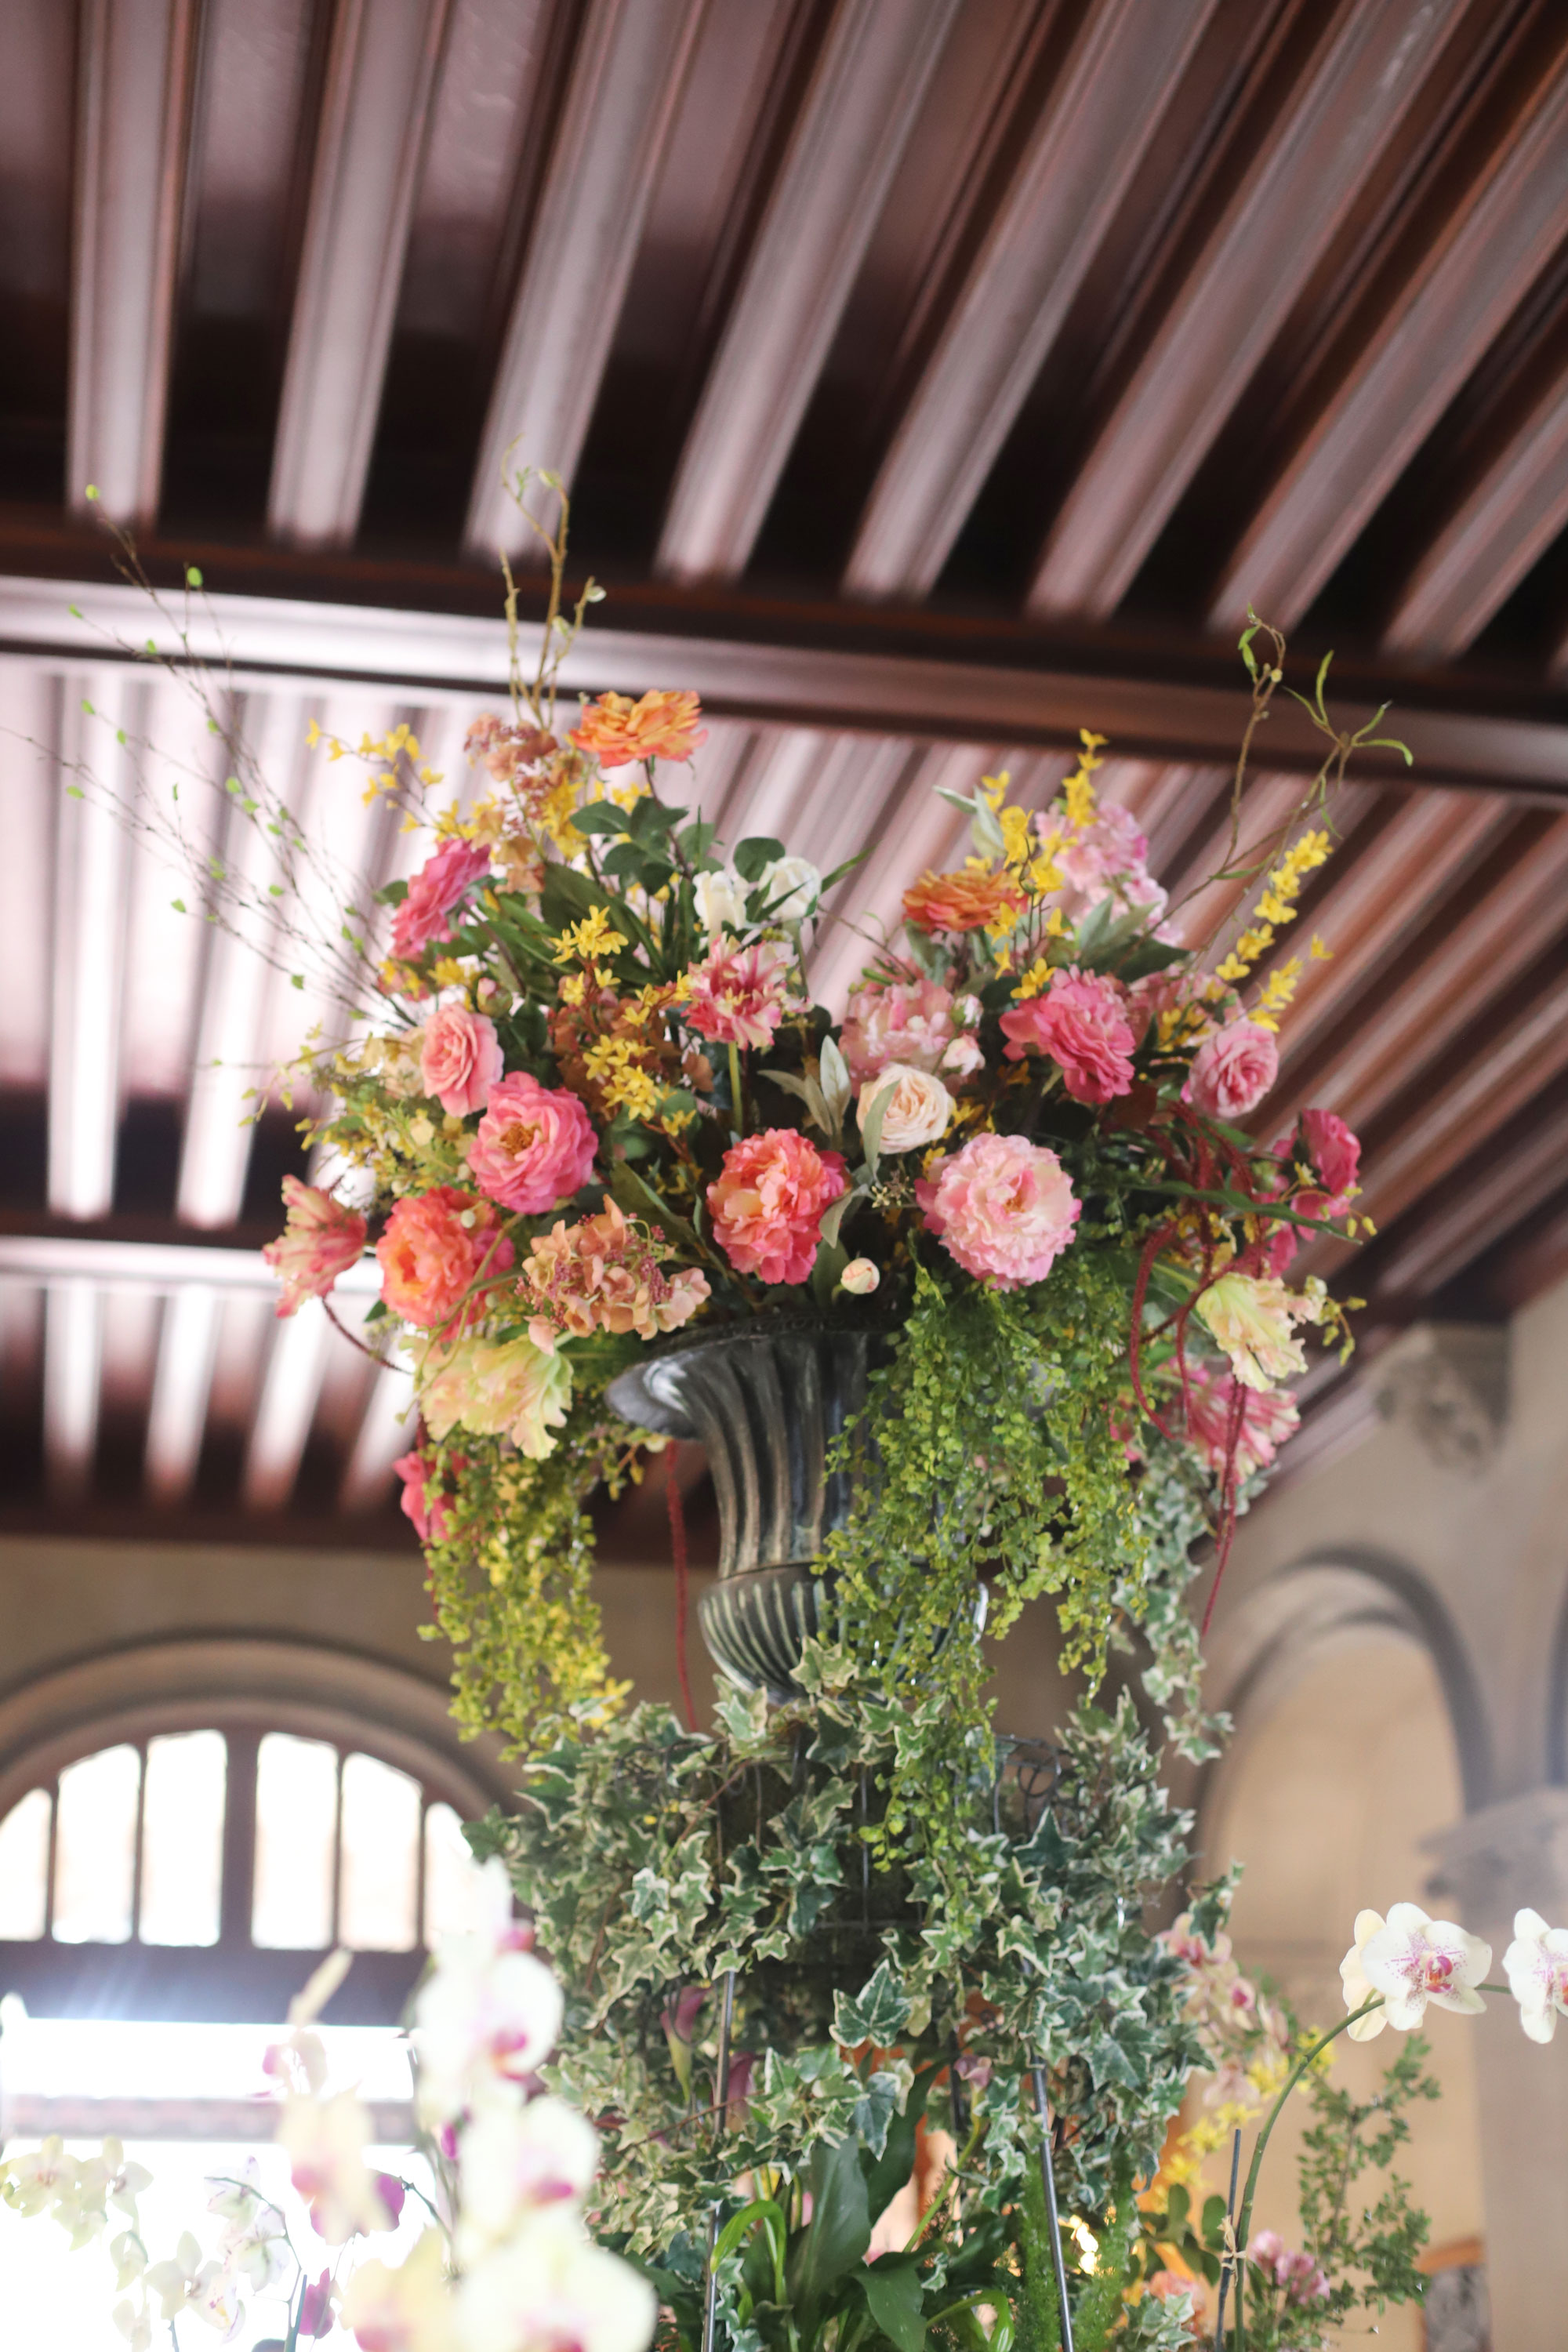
[
  {"x": 319, "y": 1242},
  {"x": 430, "y": 1515},
  {"x": 768, "y": 1201},
  {"x": 430, "y": 1256},
  {"x": 1004, "y": 1207},
  {"x": 441, "y": 882},
  {"x": 738, "y": 994},
  {"x": 1268, "y": 1417},
  {"x": 909, "y": 1022},
  {"x": 534, "y": 1146},
  {"x": 1232, "y": 1070},
  {"x": 1081, "y": 1023},
  {"x": 460, "y": 1059},
  {"x": 1334, "y": 1151}
]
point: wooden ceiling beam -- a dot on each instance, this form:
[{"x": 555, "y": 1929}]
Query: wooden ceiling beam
[
  {"x": 380, "y": 80},
  {"x": 625, "y": 80},
  {"x": 1478, "y": 1208},
  {"x": 1083, "y": 149},
  {"x": 1279, "y": 222},
  {"x": 135, "y": 73},
  {"x": 1474, "y": 271},
  {"x": 869, "y": 82}
]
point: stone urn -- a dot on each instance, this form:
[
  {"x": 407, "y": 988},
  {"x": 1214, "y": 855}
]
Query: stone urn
[{"x": 766, "y": 1405}]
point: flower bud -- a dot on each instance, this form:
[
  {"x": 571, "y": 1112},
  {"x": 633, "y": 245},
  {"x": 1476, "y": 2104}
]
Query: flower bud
[{"x": 861, "y": 1276}]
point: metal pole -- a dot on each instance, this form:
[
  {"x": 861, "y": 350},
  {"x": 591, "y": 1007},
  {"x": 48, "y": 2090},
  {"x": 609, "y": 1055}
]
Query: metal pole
[
  {"x": 1225, "y": 2267},
  {"x": 1042, "y": 2108},
  {"x": 710, "y": 2288}
]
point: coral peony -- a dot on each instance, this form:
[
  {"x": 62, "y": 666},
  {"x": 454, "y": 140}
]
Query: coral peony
[
  {"x": 1232, "y": 1070},
  {"x": 533, "y": 1147},
  {"x": 1081, "y": 1023},
  {"x": 432, "y": 1253},
  {"x": 1004, "y": 1207},
  {"x": 662, "y": 726},
  {"x": 460, "y": 1059},
  {"x": 738, "y": 994},
  {"x": 970, "y": 900},
  {"x": 1333, "y": 1151},
  {"x": 319, "y": 1242},
  {"x": 604, "y": 1274},
  {"x": 915, "y": 1022},
  {"x": 917, "y": 1108},
  {"x": 441, "y": 883},
  {"x": 1269, "y": 1416},
  {"x": 1252, "y": 1319},
  {"x": 767, "y": 1202}
]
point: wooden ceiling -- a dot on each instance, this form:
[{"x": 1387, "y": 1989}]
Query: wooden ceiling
[{"x": 932, "y": 377}]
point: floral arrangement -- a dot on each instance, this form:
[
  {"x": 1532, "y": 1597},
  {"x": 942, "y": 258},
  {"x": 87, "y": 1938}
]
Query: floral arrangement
[{"x": 506, "y": 2264}]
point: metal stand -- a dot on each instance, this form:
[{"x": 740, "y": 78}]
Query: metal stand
[
  {"x": 711, "y": 2289},
  {"x": 1053, "y": 2225}
]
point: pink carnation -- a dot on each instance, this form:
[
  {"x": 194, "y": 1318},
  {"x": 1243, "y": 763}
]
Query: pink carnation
[
  {"x": 1268, "y": 1417},
  {"x": 429, "y": 1514},
  {"x": 768, "y": 1201},
  {"x": 1334, "y": 1151},
  {"x": 1232, "y": 1070},
  {"x": 460, "y": 1059},
  {"x": 534, "y": 1146},
  {"x": 430, "y": 1256},
  {"x": 738, "y": 994},
  {"x": 441, "y": 882},
  {"x": 1081, "y": 1023},
  {"x": 912, "y": 1022},
  {"x": 319, "y": 1242},
  {"x": 1004, "y": 1207}
]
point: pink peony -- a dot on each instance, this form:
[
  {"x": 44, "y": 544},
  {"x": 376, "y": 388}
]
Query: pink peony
[
  {"x": 1004, "y": 1208},
  {"x": 1268, "y": 1417},
  {"x": 430, "y": 1516},
  {"x": 533, "y": 1147},
  {"x": 738, "y": 994},
  {"x": 319, "y": 1242},
  {"x": 1334, "y": 1152},
  {"x": 1081, "y": 1023},
  {"x": 912, "y": 1022},
  {"x": 441, "y": 882},
  {"x": 768, "y": 1201},
  {"x": 460, "y": 1059},
  {"x": 431, "y": 1253},
  {"x": 1232, "y": 1070}
]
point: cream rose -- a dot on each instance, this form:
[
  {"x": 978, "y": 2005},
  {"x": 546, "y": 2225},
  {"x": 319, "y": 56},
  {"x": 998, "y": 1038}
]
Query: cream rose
[{"x": 916, "y": 1106}]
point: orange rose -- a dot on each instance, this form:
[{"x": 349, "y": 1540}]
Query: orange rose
[
  {"x": 966, "y": 901},
  {"x": 660, "y": 727}
]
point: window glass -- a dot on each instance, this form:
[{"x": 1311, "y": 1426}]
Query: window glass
[
  {"x": 95, "y": 1847},
  {"x": 181, "y": 1838},
  {"x": 25, "y": 1869},
  {"x": 452, "y": 1878},
  {"x": 296, "y": 1836},
  {"x": 379, "y": 1893}
]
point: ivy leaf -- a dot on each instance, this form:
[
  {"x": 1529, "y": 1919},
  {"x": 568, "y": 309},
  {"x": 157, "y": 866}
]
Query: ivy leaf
[{"x": 877, "y": 2012}]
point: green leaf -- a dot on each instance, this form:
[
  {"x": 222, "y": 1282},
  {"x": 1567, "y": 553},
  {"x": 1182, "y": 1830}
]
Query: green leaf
[
  {"x": 753, "y": 857},
  {"x": 893, "y": 2290},
  {"x": 876, "y": 2013},
  {"x": 838, "y": 2236},
  {"x": 640, "y": 1199},
  {"x": 887, "y": 2175},
  {"x": 871, "y": 1117}
]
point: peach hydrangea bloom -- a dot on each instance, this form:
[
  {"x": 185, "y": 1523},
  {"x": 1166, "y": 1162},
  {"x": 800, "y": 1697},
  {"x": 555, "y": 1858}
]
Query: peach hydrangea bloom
[
  {"x": 441, "y": 884},
  {"x": 1081, "y": 1023},
  {"x": 1232, "y": 1070},
  {"x": 534, "y": 1146},
  {"x": 604, "y": 1274},
  {"x": 1004, "y": 1207},
  {"x": 768, "y": 1201},
  {"x": 432, "y": 1251},
  {"x": 916, "y": 1022},
  {"x": 319, "y": 1242},
  {"x": 661, "y": 726},
  {"x": 460, "y": 1059},
  {"x": 968, "y": 900},
  {"x": 738, "y": 994}
]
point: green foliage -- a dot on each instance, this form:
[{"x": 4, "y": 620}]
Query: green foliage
[{"x": 1369, "y": 2253}]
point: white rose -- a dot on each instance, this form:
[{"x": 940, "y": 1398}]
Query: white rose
[
  {"x": 916, "y": 1106},
  {"x": 720, "y": 900},
  {"x": 790, "y": 889}
]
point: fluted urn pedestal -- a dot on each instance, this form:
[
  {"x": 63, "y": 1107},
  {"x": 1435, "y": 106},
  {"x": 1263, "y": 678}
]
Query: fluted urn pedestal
[{"x": 766, "y": 1406}]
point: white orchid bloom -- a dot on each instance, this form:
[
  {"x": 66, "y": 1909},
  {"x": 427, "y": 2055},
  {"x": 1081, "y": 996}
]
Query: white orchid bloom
[
  {"x": 125, "y": 2182},
  {"x": 487, "y": 2017},
  {"x": 1536, "y": 1966},
  {"x": 789, "y": 889},
  {"x": 34, "y": 2182},
  {"x": 326, "y": 2140},
  {"x": 404, "y": 2309},
  {"x": 553, "y": 2286},
  {"x": 1411, "y": 1959},
  {"x": 721, "y": 901},
  {"x": 520, "y": 2160},
  {"x": 177, "y": 2282},
  {"x": 134, "y": 2322}
]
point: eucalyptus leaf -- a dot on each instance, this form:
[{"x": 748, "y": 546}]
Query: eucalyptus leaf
[{"x": 755, "y": 854}]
